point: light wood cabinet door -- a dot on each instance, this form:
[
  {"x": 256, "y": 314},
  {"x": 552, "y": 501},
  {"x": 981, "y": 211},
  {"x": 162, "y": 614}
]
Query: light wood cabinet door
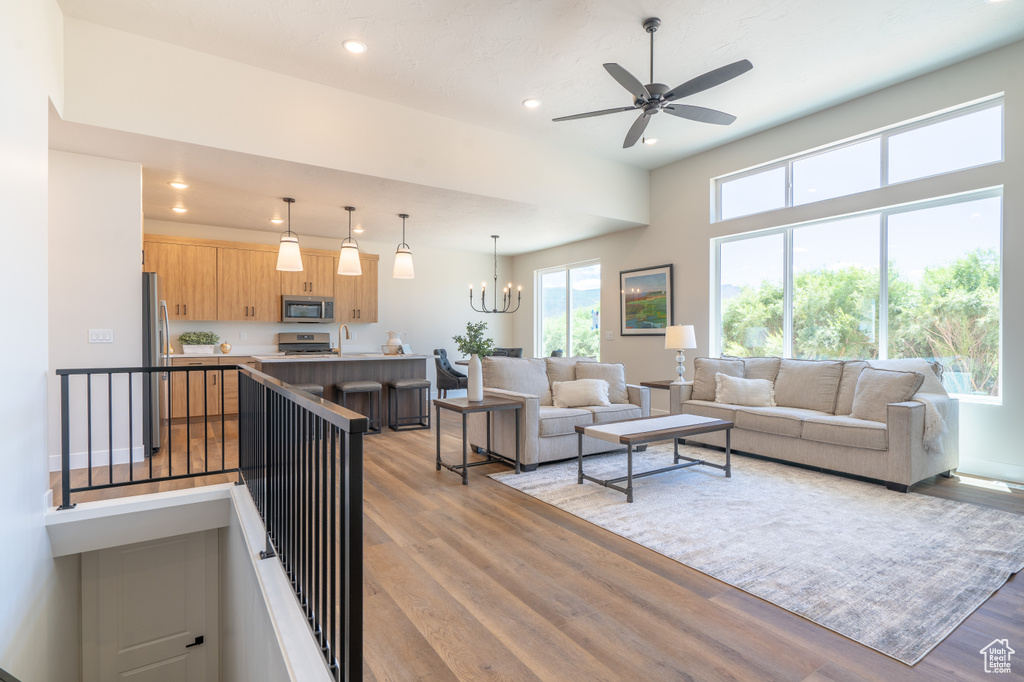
[
  {"x": 266, "y": 287},
  {"x": 231, "y": 381},
  {"x": 189, "y": 390},
  {"x": 248, "y": 285},
  {"x": 316, "y": 278},
  {"x": 188, "y": 278},
  {"x": 355, "y": 298}
]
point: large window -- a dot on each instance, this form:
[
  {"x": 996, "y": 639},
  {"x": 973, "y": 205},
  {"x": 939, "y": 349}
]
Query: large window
[
  {"x": 569, "y": 310},
  {"x": 914, "y": 281},
  {"x": 967, "y": 137}
]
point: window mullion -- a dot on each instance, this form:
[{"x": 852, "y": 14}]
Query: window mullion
[
  {"x": 787, "y": 293},
  {"x": 883, "y": 286}
]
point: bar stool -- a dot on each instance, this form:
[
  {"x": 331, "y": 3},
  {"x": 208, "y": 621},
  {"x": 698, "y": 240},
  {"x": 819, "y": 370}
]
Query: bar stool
[
  {"x": 369, "y": 387},
  {"x": 315, "y": 389},
  {"x": 409, "y": 422}
]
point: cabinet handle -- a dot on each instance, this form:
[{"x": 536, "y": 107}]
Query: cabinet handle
[
  {"x": 177, "y": 309},
  {"x": 214, "y": 379},
  {"x": 254, "y": 311},
  {"x": 184, "y": 308}
]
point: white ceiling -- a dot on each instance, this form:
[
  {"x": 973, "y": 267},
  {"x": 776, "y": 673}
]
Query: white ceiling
[{"x": 477, "y": 61}]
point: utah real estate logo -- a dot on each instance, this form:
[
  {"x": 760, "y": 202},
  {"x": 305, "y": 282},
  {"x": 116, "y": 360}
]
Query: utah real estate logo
[{"x": 997, "y": 656}]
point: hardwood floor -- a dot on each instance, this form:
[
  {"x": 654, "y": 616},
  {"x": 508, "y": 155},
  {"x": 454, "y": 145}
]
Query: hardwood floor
[{"x": 483, "y": 582}]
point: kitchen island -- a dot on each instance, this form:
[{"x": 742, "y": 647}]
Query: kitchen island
[{"x": 330, "y": 369}]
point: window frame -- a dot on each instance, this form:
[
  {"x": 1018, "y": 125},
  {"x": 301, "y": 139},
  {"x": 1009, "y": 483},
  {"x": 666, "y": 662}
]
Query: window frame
[
  {"x": 538, "y": 305},
  {"x": 883, "y": 214},
  {"x": 883, "y": 135}
]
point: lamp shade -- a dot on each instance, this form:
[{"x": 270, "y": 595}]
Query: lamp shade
[
  {"x": 403, "y": 264},
  {"x": 348, "y": 260},
  {"x": 680, "y": 336},
  {"x": 288, "y": 257}
]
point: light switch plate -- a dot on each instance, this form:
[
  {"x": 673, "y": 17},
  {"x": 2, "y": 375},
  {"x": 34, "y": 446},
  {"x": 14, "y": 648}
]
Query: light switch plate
[
  {"x": 101, "y": 336},
  {"x": 608, "y": 336}
]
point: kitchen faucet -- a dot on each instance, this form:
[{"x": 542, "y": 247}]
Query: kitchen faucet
[{"x": 342, "y": 335}]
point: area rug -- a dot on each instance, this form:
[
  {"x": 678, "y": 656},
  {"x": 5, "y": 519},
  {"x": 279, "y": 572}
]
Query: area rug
[{"x": 896, "y": 572}]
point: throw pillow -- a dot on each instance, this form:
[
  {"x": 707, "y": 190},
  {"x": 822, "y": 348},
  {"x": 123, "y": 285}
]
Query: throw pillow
[
  {"x": 848, "y": 385},
  {"x": 749, "y": 392},
  {"x": 580, "y": 393},
  {"x": 614, "y": 374},
  {"x": 876, "y": 388},
  {"x": 563, "y": 369},
  {"x": 704, "y": 371},
  {"x": 808, "y": 384}
]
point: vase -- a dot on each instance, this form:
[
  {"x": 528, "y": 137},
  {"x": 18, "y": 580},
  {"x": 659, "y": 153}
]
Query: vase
[{"x": 475, "y": 385}]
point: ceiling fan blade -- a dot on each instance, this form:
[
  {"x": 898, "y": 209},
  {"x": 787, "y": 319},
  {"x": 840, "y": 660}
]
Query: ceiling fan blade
[
  {"x": 636, "y": 130},
  {"x": 594, "y": 113},
  {"x": 700, "y": 114},
  {"x": 628, "y": 81},
  {"x": 709, "y": 79}
]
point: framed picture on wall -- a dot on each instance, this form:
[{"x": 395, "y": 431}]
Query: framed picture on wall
[{"x": 645, "y": 307}]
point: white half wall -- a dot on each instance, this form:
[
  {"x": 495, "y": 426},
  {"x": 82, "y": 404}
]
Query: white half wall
[
  {"x": 95, "y": 261},
  {"x": 681, "y": 232},
  {"x": 128, "y": 82},
  {"x": 39, "y": 595}
]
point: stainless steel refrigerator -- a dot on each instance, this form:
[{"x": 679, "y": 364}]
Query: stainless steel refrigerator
[{"x": 155, "y": 350}]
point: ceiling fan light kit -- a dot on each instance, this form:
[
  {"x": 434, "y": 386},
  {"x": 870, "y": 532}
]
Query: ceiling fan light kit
[
  {"x": 403, "y": 256},
  {"x": 289, "y": 258},
  {"x": 348, "y": 257},
  {"x": 655, "y": 98}
]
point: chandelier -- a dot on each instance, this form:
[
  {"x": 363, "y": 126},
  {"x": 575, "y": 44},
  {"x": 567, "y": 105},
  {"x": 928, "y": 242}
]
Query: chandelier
[{"x": 506, "y": 293}]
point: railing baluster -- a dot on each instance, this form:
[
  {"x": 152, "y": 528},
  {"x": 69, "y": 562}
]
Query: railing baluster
[
  {"x": 110, "y": 428},
  {"x": 131, "y": 432},
  {"x": 88, "y": 417}
]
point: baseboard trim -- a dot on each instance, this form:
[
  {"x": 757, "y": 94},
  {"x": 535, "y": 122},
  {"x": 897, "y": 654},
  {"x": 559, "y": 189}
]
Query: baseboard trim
[{"x": 998, "y": 470}]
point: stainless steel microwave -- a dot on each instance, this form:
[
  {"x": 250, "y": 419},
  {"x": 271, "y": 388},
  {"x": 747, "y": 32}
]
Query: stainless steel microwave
[{"x": 307, "y": 309}]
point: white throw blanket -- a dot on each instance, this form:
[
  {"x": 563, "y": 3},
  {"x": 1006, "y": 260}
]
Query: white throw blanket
[{"x": 932, "y": 395}]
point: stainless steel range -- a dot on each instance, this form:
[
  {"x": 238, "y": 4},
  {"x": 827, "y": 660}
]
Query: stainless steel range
[{"x": 303, "y": 343}]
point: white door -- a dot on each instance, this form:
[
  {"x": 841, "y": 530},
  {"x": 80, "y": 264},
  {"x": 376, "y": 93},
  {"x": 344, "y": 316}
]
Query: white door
[{"x": 149, "y": 611}]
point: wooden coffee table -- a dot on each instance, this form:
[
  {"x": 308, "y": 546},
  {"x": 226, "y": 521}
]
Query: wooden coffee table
[{"x": 645, "y": 430}]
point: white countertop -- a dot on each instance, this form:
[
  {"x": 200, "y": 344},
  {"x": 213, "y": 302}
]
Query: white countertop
[{"x": 334, "y": 357}]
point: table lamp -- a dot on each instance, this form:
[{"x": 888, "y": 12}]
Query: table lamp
[{"x": 677, "y": 338}]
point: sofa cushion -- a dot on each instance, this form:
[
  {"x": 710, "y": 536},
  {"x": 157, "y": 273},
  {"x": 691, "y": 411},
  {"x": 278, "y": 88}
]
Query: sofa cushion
[
  {"x": 558, "y": 421},
  {"x": 782, "y": 421},
  {"x": 876, "y": 388},
  {"x": 704, "y": 371},
  {"x": 580, "y": 393},
  {"x": 614, "y": 413},
  {"x": 737, "y": 391},
  {"x": 761, "y": 368},
  {"x": 843, "y": 430},
  {"x": 705, "y": 408},
  {"x": 848, "y": 384},
  {"x": 808, "y": 384},
  {"x": 563, "y": 369},
  {"x": 522, "y": 375},
  {"x": 613, "y": 373}
]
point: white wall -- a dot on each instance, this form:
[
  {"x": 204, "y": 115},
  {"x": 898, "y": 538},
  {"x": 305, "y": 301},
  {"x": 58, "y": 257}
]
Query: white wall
[
  {"x": 132, "y": 83},
  {"x": 95, "y": 262},
  {"x": 39, "y": 596},
  {"x": 431, "y": 308},
  {"x": 680, "y": 233}
]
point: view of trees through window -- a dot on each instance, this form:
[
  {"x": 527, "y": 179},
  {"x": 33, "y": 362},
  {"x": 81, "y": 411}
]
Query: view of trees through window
[
  {"x": 942, "y": 297},
  {"x": 571, "y": 294}
]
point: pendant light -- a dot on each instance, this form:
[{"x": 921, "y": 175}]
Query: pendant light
[
  {"x": 348, "y": 259},
  {"x": 506, "y": 292},
  {"x": 289, "y": 259},
  {"x": 403, "y": 256}
]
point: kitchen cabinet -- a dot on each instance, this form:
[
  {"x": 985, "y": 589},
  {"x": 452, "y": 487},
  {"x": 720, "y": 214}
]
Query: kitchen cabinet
[
  {"x": 188, "y": 278},
  {"x": 248, "y": 285},
  {"x": 355, "y": 298},
  {"x": 316, "y": 278},
  {"x": 190, "y": 389},
  {"x": 231, "y": 381}
]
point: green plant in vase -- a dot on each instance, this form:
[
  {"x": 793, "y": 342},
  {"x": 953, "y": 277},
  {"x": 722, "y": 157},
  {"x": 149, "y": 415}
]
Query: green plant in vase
[
  {"x": 194, "y": 343},
  {"x": 476, "y": 346}
]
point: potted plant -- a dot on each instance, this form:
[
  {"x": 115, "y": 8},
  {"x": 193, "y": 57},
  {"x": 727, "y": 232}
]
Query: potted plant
[
  {"x": 198, "y": 343},
  {"x": 476, "y": 346}
]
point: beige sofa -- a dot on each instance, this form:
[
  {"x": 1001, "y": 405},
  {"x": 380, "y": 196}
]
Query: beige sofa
[
  {"x": 547, "y": 433},
  {"x": 812, "y": 425}
]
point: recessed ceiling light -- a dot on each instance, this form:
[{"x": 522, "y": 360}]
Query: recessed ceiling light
[
  {"x": 531, "y": 103},
  {"x": 178, "y": 185},
  {"x": 354, "y": 46},
  {"x": 650, "y": 140},
  {"x": 358, "y": 229},
  {"x": 179, "y": 209},
  {"x": 276, "y": 221}
]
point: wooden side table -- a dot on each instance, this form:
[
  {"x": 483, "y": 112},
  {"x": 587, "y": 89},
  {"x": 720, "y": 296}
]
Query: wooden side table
[{"x": 464, "y": 407}]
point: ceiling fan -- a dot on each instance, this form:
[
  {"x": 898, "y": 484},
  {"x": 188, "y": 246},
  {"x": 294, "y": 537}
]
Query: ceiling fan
[{"x": 656, "y": 97}]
